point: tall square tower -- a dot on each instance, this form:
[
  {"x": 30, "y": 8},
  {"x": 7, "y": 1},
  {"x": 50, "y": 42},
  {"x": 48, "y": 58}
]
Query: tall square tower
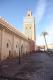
[{"x": 29, "y": 26}]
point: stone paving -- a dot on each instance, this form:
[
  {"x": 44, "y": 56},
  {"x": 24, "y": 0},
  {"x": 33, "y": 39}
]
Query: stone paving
[{"x": 37, "y": 66}]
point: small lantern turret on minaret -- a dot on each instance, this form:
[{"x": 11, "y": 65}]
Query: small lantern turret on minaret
[{"x": 29, "y": 13}]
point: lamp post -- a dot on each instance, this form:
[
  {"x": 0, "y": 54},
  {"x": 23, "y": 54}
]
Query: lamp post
[{"x": 19, "y": 56}]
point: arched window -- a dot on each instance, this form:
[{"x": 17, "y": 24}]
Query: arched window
[
  {"x": 7, "y": 45},
  {"x": 16, "y": 45},
  {"x": 30, "y": 27}
]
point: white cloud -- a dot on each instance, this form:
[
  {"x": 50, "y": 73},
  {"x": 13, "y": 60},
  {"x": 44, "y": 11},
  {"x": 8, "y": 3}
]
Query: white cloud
[
  {"x": 40, "y": 10},
  {"x": 40, "y": 40},
  {"x": 49, "y": 29},
  {"x": 49, "y": 37},
  {"x": 39, "y": 13}
]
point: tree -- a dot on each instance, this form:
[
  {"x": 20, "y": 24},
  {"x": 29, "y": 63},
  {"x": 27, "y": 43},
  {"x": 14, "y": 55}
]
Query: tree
[{"x": 44, "y": 35}]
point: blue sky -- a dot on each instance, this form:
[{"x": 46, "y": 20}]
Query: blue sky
[{"x": 15, "y": 10}]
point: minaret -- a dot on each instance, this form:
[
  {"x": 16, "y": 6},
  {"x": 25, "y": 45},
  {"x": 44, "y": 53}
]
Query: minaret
[{"x": 29, "y": 26}]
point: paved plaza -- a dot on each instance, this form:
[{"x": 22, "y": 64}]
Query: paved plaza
[{"x": 36, "y": 66}]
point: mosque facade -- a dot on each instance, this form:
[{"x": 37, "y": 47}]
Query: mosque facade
[{"x": 13, "y": 42}]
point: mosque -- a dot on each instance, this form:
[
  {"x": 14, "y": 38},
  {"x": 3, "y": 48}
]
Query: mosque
[{"x": 13, "y": 42}]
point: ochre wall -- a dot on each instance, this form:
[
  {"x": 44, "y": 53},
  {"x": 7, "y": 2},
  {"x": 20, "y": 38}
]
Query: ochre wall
[
  {"x": 0, "y": 44},
  {"x": 6, "y": 39},
  {"x": 15, "y": 44},
  {"x": 12, "y": 41}
]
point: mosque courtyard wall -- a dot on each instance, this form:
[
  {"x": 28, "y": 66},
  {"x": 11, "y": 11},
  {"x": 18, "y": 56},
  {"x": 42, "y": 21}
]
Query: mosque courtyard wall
[{"x": 12, "y": 41}]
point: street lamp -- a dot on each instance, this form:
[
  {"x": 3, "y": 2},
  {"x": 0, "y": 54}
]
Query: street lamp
[{"x": 19, "y": 56}]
